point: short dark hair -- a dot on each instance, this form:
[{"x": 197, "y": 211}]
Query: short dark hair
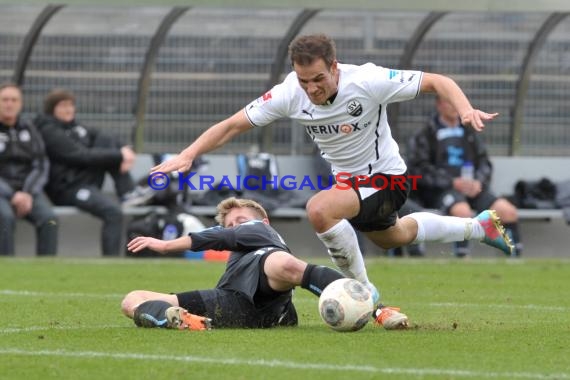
[
  {"x": 304, "y": 50},
  {"x": 54, "y": 97}
]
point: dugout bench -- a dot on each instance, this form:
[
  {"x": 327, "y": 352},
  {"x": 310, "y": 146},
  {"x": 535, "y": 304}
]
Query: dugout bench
[
  {"x": 215, "y": 166},
  {"x": 79, "y": 232},
  {"x": 506, "y": 172}
]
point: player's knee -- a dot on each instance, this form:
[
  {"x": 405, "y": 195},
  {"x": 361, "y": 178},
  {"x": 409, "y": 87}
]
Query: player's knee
[
  {"x": 284, "y": 268},
  {"x": 129, "y": 302},
  {"x": 317, "y": 213},
  {"x": 292, "y": 269}
]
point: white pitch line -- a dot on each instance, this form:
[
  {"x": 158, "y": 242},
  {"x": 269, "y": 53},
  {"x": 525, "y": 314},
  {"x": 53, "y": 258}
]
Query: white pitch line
[
  {"x": 107, "y": 261},
  {"x": 305, "y": 300},
  {"x": 13, "y": 330},
  {"x": 501, "y": 306},
  {"x": 32, "y": 293},
  {"x": 288, "y": 364}
]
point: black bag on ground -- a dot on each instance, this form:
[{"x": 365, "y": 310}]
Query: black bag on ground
[
  {"x": 535, "y": 194},
  {"x": 563, "y": 199}
]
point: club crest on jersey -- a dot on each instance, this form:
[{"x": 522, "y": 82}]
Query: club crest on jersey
[{"x": 354, "y": 108}]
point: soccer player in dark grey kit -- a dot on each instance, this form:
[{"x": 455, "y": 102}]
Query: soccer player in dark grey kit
[{"x": 255, "y": 291}]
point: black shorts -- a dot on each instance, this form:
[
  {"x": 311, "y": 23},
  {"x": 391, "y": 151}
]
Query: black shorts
[
  {"x": 481, "y": 202},
  {"x": 231, "y": 308},
  {"x": 379, "y": 210},
  {"x": 228, "y": 308}
]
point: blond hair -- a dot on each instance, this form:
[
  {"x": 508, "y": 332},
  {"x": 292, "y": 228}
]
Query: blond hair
[{"x": 225, "y": 206}]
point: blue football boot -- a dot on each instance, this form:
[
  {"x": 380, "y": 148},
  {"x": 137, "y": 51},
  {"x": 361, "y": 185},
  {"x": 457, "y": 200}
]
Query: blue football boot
[{"x": 495, "y": 234}]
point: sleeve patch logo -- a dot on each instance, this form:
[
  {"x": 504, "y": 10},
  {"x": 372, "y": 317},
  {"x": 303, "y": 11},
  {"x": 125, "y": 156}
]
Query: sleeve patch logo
[{"x": 266, "y": 96}]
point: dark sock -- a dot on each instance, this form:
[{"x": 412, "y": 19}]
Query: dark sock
[
  {"x": 513, "y": 232},
  {"x": 151, "y": 314},
  {"x": 395, "y": 252},
  {"x": 317, "y": 277},
  {"x": 461, "y": 248}
]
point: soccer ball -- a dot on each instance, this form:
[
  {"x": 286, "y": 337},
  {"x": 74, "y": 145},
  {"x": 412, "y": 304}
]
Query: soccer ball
[{"x": 346, "y": 305}]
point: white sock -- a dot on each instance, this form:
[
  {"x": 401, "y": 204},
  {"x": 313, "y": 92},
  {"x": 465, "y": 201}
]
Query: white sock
[
  {"x": 446, "y": 229},
  {"x": 477, "y": 231},
  {"x": 342, "y": 245}
]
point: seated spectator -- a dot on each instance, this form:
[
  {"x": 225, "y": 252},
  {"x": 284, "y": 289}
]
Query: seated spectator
[
  {"x": 24, "y": 170},
  {"x": 456, "y": 172},
  {"x": 80, "y": 157}
]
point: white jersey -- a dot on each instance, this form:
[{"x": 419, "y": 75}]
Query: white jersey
[{"x": 353, "y": 132}]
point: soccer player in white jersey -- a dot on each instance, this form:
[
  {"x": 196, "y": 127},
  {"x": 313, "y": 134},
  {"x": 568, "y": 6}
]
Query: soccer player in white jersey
[{"x": 343, "y": 108}]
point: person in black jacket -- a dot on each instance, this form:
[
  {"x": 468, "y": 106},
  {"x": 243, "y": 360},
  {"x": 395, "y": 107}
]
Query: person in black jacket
[
  {"x": 80, "y": 157},
  {"x": 23, "y": 173},
  {"x": 456, "y": 172},
  {"x": 256, "y": 288}
]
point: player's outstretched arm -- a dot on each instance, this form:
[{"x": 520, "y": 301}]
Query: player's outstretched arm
[
  {"x": 446, "y": 88},
  {"x": 161, "y": 246},
  {"x": 213, "y": 138}
]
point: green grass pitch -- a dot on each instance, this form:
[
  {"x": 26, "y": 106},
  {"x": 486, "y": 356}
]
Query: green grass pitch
[{"x": 477, "y": 319}]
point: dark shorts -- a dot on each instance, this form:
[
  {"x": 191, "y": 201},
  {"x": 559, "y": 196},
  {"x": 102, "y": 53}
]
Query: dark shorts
[
  {"x": 481, "y": 202},
  {"x": 228, "y": 308},
  {"x": 231, "y": 308},
  {"x": 379, "y": 210}
]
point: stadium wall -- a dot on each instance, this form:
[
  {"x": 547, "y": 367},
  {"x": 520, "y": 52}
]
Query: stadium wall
[{"x": 157, "y": 76}]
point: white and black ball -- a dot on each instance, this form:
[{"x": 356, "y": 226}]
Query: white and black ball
[{"x": 346, "y": 305}]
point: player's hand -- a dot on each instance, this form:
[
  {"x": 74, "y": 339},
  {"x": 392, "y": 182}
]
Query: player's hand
[
  {"x": 477, "y": 118},
  {"x": 22, "y": 203},
  {"x": 144, "y": 242},
  {"x": 474, "y": 188},
  {"x": 178, "y": 163}
]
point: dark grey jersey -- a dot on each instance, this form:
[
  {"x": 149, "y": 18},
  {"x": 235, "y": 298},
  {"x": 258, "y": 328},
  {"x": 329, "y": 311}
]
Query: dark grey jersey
[{"x": 248, "y": 243}]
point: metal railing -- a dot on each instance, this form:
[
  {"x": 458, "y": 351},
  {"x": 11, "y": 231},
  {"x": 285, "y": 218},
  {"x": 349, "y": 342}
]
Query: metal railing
[{"x": 159, "y": 76}]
